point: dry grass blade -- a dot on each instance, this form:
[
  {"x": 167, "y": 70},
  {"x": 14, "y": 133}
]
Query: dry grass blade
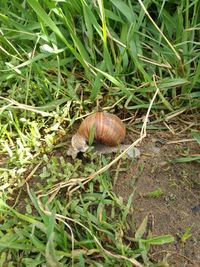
[
  {"x": 15, "y": 104},
  {"x": 181, "y": 141},
  {"x": 168, "y": 42},
  {"x": 167, "y": 66},
  {"x": 144, "y": 126},
  {"x": 31, "y": 174}
]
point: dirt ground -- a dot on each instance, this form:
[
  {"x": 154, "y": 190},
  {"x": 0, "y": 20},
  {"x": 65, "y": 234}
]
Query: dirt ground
[{"x": 177, "y": 206}]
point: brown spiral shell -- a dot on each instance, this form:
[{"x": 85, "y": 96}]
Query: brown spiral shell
[{"x": 109, "y": 129}]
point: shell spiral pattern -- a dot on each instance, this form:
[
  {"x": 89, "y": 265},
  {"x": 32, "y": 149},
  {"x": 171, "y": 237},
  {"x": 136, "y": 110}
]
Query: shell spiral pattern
[{"x": 109, "y": 129}]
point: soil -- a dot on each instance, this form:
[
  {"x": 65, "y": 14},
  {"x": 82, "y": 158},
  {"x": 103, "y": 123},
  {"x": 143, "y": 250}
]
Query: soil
[{"x": 176, "y": 207}]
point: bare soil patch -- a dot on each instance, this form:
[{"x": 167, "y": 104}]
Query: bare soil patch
[{"x": 177, "y": 207}]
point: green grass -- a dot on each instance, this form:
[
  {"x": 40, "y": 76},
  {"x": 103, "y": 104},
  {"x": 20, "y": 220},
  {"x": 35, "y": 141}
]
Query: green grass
[
  {"x": 58, "y": 61},
  {"x": 158, "y": 192}
]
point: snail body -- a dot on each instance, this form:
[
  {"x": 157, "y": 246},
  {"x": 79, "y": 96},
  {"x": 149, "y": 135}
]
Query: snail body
[{"x": 108, "y": 129}]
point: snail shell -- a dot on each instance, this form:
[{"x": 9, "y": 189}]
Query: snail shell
[{"x": 109, "y": 130}]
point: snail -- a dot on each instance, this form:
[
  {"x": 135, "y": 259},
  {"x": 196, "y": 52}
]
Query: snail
[{"x": 108, "y": 130}]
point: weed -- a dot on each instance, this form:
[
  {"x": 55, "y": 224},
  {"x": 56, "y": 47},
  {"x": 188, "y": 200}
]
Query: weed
[
  {"x": 156, "y": 193},
  {"x": 187, "y": 234}
]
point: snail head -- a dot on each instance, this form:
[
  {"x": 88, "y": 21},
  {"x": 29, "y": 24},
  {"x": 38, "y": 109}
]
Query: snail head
[{"x": 79, "y": 143}]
